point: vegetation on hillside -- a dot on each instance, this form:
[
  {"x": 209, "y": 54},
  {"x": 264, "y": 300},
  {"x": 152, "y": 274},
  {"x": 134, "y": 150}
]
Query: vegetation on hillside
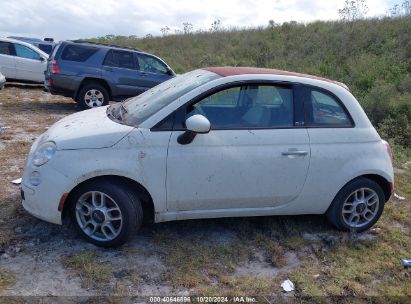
[{"x": 372, "y": 56}]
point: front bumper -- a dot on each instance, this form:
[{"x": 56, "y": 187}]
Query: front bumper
[{"x": 42, "y": 201}]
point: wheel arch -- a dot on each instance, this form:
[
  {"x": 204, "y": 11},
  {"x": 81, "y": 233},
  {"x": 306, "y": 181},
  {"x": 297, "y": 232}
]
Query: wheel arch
[
  {"x": 144, "y": 195},
  {"x": 88, "y": 80},
  {"x": 386, "y": 186}
]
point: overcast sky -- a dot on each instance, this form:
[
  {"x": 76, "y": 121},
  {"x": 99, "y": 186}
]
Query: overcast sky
[{"x": 70, "y": 19}]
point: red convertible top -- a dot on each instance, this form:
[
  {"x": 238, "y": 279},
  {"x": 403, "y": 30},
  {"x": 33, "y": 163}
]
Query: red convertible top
[{"x": 231, "y": 71}]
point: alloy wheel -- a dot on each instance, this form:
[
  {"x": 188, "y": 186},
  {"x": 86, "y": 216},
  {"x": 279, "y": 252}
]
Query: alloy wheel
[
  {"x": 94, "y": 98},
  {"x": 360, "y": 207},
  {"x": 99, "y": 216}
]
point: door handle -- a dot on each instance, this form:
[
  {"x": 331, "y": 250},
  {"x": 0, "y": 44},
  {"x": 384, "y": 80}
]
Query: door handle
[
  {"x": 295, "y": 152},
  {"x": 109, "y": 69}
]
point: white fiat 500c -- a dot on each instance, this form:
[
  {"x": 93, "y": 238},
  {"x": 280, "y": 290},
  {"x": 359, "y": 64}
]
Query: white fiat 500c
[{"x": 214, "y": 142}]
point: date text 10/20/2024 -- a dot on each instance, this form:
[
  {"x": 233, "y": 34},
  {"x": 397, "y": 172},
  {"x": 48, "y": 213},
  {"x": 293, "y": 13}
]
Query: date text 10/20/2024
[{"x": 199, "y": 299}]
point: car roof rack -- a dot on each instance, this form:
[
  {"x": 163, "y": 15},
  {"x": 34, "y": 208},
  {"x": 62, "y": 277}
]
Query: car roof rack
[{"x": 105, "y": 44}]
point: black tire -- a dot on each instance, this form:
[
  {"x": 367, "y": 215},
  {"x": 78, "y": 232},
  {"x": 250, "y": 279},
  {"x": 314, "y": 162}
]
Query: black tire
[
  {"x": 126, "y": 200},
  {"x": 100, "y": 99},
  {"x": 335, "y": 211}
]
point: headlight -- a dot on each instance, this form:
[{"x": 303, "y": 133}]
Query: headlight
[{"x": 44, "y": 153}]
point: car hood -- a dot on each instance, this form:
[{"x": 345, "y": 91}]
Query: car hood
[{"x": 90, "y": 129}]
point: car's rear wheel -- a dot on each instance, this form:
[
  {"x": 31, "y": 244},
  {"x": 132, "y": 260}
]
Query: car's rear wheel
[
  {"x": 105, "y": 214},
  {"x": 92, "y": 95},
  {"x": 357, "y": 206}
]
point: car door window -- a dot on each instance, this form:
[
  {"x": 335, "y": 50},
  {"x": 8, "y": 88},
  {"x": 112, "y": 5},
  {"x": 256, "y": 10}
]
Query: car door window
[
  {"x": 245, "y": 107},
  {"x": 25, "y": 52},
  {"x": 151, "y": 64},
  {"x": 119, "y": 59},
  {"x": 325, "y": 110},
  {"x": 6, "y": 48}
]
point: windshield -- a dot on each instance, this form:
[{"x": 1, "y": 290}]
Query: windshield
[{"x": 137, "y": 109}]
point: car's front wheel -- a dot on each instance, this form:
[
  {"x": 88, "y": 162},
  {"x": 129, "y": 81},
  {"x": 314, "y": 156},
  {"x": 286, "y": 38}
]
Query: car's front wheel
[
  {"x": 357, "y": 206},
  {"x": 92, "y": 95},
  {"x": 105, "y": 213}
]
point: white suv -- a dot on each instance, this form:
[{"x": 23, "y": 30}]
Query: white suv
[
  {"x": 214, "y": 142},
  {"x": 22, "y": 61}
]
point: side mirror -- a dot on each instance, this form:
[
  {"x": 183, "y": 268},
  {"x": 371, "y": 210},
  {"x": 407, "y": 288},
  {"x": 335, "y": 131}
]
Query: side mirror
[
  {"x": 42, "y": 59},
  {"x": 196, "y": 124}
]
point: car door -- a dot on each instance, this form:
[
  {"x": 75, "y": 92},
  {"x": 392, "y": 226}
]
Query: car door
[
  {"x": 7, "y": 60},
  {"x": 253, "y": 157},
  {"x": 30, "y": 65},
  {"x": 119, "y": 67},
  {"x": 151, "y": 70}
]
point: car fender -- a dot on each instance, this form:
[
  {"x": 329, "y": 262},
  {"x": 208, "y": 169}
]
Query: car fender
[
  {"x": 328, "y": 175},
  {"x": 100, "y": 173},
  {"x": 131, "y": 158},
  {"x": 90, "y": 78},
  {"x": 373, "y": 166}
]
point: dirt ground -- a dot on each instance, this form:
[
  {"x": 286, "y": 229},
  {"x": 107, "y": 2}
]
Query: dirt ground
[{"x": 249, "y": 256}]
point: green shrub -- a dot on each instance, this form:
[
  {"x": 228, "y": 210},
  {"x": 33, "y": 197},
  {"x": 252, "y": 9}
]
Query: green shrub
[
  {"x": 398, "y": 130},
  {"x": 378, "y": 101},
  {"x": 372, "y": 56}
]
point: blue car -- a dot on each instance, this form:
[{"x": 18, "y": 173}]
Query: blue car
[{"x": 93, "y": 74}]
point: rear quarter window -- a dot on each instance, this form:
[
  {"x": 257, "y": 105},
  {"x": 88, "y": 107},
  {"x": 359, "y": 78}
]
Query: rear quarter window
[
  {"x": 79, "y": 53},
  {"x": 6, "y": 48},
  {"x": 322, "y": 109}
]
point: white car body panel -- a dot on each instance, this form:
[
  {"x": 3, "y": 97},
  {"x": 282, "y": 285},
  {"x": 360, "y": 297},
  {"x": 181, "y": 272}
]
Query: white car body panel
[
  {"x": 204, "y": 179},
  {"x": 8, "y": 66},
  {"x": 224, "y": 165},
  {"x": 30, "y": 69},
  {"x": 14, "y": 67},
  {"x": 141, "y": 155},
  {"x": 83, "y": 130},
  {"x": 2, "y": 80}
]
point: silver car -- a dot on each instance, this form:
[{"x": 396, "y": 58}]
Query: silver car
[
  {"x": 22, "y": 61},
  {"x": 2, "y": 80}
]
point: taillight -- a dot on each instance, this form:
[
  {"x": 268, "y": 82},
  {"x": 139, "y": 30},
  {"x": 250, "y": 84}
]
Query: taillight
[
  {"x": 55, "y": 69},
  {"x": 388, "y": 147}
]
